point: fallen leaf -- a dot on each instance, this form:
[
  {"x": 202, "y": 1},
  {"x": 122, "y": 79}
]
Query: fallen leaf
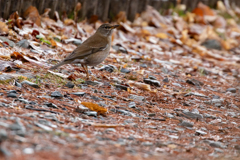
[
  {"x": 140, "y": 85},
  {"x": 95, "y": 107},
  {"x": 3, "y": 28},
  {"x": 32, "y": 14}
]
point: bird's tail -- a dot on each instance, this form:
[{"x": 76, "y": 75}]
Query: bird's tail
[{"x": 57, "y": 65}]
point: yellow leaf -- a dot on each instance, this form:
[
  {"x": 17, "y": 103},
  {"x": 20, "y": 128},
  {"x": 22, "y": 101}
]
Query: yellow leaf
[
  {"x": 95, "y": 107},
  {"x": 53, "y": 43},
  {"x": 162, "y": 35}
]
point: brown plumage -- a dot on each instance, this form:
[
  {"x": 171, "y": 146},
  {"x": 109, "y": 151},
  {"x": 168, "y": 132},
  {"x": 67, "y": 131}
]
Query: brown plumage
[{"x": 92, "y": 51}]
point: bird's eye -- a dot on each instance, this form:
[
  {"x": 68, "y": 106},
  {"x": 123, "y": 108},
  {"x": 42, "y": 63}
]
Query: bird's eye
[{"x": 106, "y": 27}]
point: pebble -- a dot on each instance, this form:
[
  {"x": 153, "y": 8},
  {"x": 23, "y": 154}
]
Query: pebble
[
  {"x": 51, "y": 105},
  {"x": 69, "y": 85},
  {"x": 23, "y": 43},
  {"x": 92, "y": 83},
  {"x": 194, "y": 82},
  {"x": 34, "y": 85},
  {"x": 4, "y": 39},
  {"x": 186, "y": 124},
  {"x": 12, "y": 95},
  {"x": 191, "y": 115},
  {"x": 23, "y": 100},
  {"x": 3, "y": 135},
  {"x": 3, "y": 104},
  {"x": 132, "y": 105},
  {"x": 165, "y": 80},
  {"x": 18, "y": 84},
  {"x": 73, "y": 40},
  {"x": 124, "y": 70},
  {"x": 217, "y": 144},
  {"x": 177, "y": 84},
  {"x": 28, "y": 151},
  {"x": 195, "y": 94},
  {"x": 199, "y": 132},
  {"x": 152, "y": 77},
  {"x": 56, "y": 94},
  {"x": 120, "y": 48},
  {"x": 232, "y": 90},
  {"x": 107, "y": 68},
  {"x": 80, "y": 94},
  {"x": 152, "y": 82},
  {"x": 91, "y": 113},
  {"x": 143, "y": 65},
  {"x": 46, "y": 128},
  {"x": 136, "y": 98},
  {"x": 121, "y": 87},
  {"x": 212, "y": 44}
]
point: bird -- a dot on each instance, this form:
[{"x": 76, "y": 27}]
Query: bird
[{"x": 92, "y": 51}]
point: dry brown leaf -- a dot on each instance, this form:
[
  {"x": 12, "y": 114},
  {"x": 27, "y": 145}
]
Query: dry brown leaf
[
  {"x": 32, "y": 14},
  {"x": 121, "y": 17},
  {"x": 140, "y": 85},
  {"x": 5, "y": 53},
  {"x": 3, "y": 28},
  {"x": 162, "y": 35},
  {"x": 69, "y": 22},
  {"x": 53, "y": 43},
  {"x": 95, "y": 107}
]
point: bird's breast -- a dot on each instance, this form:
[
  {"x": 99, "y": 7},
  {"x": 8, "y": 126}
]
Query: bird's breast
[{"x": 98, "y": 57}]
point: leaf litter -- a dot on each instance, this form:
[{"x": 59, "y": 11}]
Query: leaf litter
[{"x": 169, "y": 88}]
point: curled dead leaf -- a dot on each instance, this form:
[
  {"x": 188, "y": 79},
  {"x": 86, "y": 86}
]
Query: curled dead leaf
[
  {"x": 95, "y": 107},
  {"x": 32, "y": 14},
  {"x": 140, "y": 85},
  {"x": 3, "y": 28}
]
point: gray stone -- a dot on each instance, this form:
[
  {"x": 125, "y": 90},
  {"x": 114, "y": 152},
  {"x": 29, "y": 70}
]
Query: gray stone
[
  {"x": 5, "y": 77},
  {"x": 195, "y": 94},
  {"x": 4, "y": 39},
  {"x": 46, "y": 128},
  {"x": 56, "y": 94},
  {"x": 124, "y": 70},
  {"x": 23, "y": 43},
  {"x": 3, "y": 135},
  {"x": 165, "y": 80},
  {"x": 199, "y": 132},
  {"x": 143, "y": 65},
  {"x": 51, "y": 105},
  {"x": 74, "y": 41},
  {"x": 107, "y": 68},
  {"x": 233, "y": 90},
  {"x": 177, "y": 84},
  {"x": 92, "y": 83},
  {"x": 186, "y": 124},
  {"x": 12, "y": 95},
  {"x": 91, "y": 113},
  {"x": 136, "y": 98},
  {"x": 122, "y": 87},
  {"x": 191, "y": 115},
  {"x": 80, "y": 94},
  {"x": 212, "y": 44},
  {"x": 3, "y": 104},
  {"x": 34, "y": 85},
  {"x": 69, "y": 85},
  {"x": 152, "y": 82},
  {"x": 132, "y": 105},
  {"x": 194, "y": 82},
  {"x": 217, "y": 144}
]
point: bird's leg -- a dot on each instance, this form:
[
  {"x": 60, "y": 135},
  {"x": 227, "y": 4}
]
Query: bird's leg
[{"x": 86, "y": 70}]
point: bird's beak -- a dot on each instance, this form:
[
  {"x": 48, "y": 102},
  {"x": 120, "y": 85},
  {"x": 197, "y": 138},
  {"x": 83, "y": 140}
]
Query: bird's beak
[{"x": 114, "y": 26}]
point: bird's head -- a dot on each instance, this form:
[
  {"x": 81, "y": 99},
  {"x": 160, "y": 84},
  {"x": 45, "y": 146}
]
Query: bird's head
[{"x": 106, "y": 29}]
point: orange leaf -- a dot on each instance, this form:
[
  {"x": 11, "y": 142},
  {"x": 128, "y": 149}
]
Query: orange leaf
[
  {"x": 95, "y": 107},
  {"x": 32, "y": 14}
]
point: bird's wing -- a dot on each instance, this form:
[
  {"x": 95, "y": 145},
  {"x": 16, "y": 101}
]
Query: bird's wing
[{"x": 87, "y": 48}]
